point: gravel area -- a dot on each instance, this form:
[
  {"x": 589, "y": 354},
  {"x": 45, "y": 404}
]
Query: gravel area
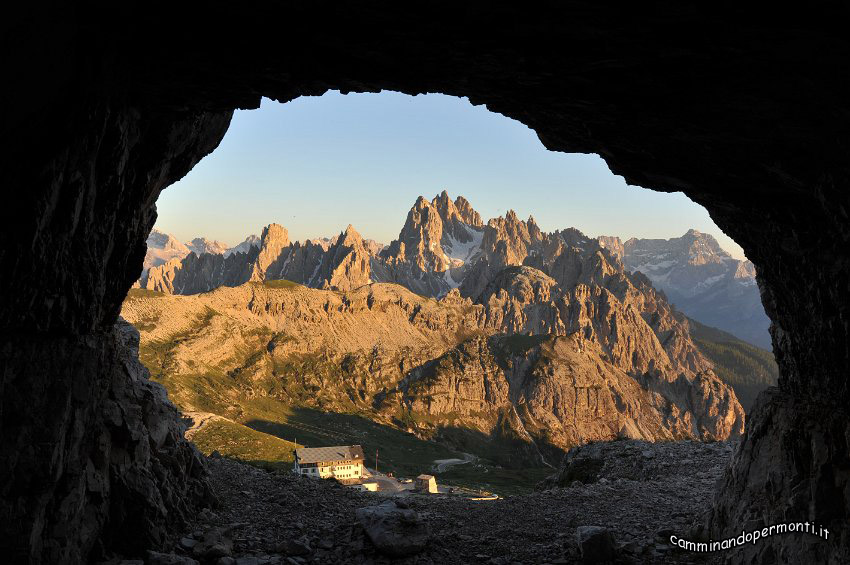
[{"x": 641, "y": 493}]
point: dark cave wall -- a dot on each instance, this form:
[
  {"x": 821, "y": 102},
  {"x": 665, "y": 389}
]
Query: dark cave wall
[
  {"x": 93, "y": 459},
  {"x": 744, "y": 109},
  {"x": 76, "y": 235},
  {"x": 92, "y": 455}
]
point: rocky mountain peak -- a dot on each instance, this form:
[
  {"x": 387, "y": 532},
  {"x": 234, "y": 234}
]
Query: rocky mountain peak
[
  {"x": 467, "y": 213},
  {"x": 350, "y": 237},
  {"x": 274, "y": 234},
  {"x": 460, "y": 210},
  {"x": 458, "y": 227},
  {"x": 419, "y": 239},
  {"x": 444, "y": 205},
  {"x": 507, "y": 239},
  {"x": 344, "y": 265},
  {"x": 275, "y": 237},
  {"x": 438, "y": 242},
  {"x": 613, "y": 244}
]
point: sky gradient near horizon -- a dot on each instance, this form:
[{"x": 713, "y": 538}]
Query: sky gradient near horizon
[{"x": 317, "y": 164}]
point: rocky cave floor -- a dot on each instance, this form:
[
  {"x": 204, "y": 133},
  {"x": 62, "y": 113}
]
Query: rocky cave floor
[{"x": 640, "y": 492}]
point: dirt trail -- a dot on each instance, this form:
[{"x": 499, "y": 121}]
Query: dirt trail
[
  {"x": 442, "y": 465},
  {"x": 200, "y": 420}
]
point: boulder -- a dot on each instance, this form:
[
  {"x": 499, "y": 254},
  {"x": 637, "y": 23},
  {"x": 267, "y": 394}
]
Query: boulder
[
  {"x": 395, "y": 531},
  {"x": 596, "y": 544},
  {"x": 216, "y": 543}
]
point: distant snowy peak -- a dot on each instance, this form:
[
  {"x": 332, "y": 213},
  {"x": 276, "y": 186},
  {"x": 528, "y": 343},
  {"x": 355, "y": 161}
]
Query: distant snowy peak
[
  {"x": 701, "y": 279},
  {"x": 693, "y": 248},
  {"x": 203, "y": 245},
  {"x": 250, "y": 241},
  {"x": 162, "y": 247},
  {"x": 688, "y": 265},
  {"x": 164, "y": 241}
]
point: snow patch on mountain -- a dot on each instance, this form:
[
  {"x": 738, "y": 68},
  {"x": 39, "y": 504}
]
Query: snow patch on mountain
[
  {"x": 450, "y": 281},
  {"x": 461, "y": 253}
]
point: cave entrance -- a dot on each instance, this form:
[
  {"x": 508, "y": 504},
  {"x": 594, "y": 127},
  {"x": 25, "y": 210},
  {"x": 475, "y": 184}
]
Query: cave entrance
[
  {"x": 739, "y": 108},
  {"x": 294, "y": 175}
]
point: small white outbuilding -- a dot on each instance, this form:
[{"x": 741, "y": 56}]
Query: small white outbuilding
[{"x": 426, "y": 483}]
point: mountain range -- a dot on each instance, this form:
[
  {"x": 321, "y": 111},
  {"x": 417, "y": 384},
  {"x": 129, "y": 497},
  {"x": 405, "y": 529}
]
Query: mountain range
[
  {"x": 493, "y": 337},
  {"x": 164, "y": 247},
  {"x": 439, "y": 248}
]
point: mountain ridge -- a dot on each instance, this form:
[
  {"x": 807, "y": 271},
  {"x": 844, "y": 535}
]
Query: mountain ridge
[
  {"x": 369, "y": 351},
  {"x": 498, "y": 335}
]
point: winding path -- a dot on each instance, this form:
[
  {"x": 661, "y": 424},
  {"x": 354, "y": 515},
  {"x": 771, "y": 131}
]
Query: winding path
[{"x": 442, "y": 465}]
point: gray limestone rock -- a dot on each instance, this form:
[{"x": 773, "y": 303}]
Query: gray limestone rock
[
  {"x": 596, "y": 544},
  {"x": 397, "y": 532}
]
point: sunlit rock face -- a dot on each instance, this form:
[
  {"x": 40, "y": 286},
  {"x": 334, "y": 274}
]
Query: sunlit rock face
[
  {"x": 743, "y": 110},
  {"x": 436, "y": 248},
  {"x": 342, "y": 263}
]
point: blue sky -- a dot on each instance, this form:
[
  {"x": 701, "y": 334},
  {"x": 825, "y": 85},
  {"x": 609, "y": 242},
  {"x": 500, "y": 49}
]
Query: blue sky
[{"x": 317, "y": 164}]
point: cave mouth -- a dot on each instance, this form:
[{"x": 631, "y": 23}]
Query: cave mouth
[
  {"x": 740, "y": 109},
  {"x": 317, "y": 164}
]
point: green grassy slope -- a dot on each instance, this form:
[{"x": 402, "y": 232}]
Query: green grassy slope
[
  {"x": 746, "y": 368},
  {"x": 281, "y": 283},
  {"x": 241, "y": 442},
  {"x": 144, "y": 293},
  {"x": 269, "y": 431}
]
